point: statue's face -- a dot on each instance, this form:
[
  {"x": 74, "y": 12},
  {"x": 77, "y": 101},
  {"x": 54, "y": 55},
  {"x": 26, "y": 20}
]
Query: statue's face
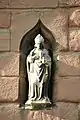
[{"x": 38, "y": 45}]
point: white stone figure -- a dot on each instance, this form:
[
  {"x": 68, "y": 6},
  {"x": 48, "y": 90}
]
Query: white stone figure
[{"x": 39, "y": 72}]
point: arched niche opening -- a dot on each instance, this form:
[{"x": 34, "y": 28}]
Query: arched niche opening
[{"x": 26, "y": 45}]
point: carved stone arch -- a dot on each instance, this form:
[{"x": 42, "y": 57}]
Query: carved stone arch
[{"x": 26, "y": 45}]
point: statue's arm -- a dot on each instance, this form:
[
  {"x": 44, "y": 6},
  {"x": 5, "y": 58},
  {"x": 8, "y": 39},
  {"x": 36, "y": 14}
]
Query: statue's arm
[
  {"x": 27, "y": 62},
  {"x": 30, "y": 61},
  {"x": 47, "y": 57}
]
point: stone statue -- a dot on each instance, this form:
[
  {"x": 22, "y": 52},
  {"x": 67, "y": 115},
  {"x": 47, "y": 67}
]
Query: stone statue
[{"x": 39, "y": 72}]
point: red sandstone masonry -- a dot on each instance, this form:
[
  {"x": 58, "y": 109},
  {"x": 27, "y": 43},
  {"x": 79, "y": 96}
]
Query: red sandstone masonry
[
  {"x": 74, "y": 39},
  {"x": 4, "y": 19},
  {"x": 4, "y": 3},
  {"x": 55, "y": 20},
  {"x": 22, "y": 22},
  {"x": 65, "y": 111},
  {"x": 4, "y": 40},
  {"x": 68, "y": 89},
  {"x": 28, "y": 3},
  {"x": 65, "y": 3},
  {"x": 74, "y": 17},
  {"x": 62, "y": 111},
  {"x": 9, "y": 88},
  {"x": 67, "y": 83},
  {"x": 9, "y": 64},
  {"x": 68, "y": 64},
  {"x": 4, "y": 34},
  {"x": 32, "y": 4}
]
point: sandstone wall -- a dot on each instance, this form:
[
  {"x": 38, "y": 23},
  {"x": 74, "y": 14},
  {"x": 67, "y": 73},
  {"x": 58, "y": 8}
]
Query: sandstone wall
[{"x": 62, "y": 17}]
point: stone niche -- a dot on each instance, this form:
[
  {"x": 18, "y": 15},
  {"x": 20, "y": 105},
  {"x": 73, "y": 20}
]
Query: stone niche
[{"x": 26, "y": 45}]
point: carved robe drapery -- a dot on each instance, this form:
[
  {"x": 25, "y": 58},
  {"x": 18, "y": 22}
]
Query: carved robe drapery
[{"x": 39, "y": 69}]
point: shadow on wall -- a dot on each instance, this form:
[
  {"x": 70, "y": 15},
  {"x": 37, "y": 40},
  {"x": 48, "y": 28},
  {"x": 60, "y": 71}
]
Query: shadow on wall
[{"x": 27, "y": 44}]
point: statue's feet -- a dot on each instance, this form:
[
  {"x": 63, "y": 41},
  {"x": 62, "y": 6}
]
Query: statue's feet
[
  {"x": 33, "y": 99},
  {"x": 38, "y": 98},
  {"x": 46, "y": 100},
  {"x": 28, "y": 102}
]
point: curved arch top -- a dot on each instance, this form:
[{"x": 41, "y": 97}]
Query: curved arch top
[
  {"x": 26, "y": 45},
  {"x": 27, "y": 41}
]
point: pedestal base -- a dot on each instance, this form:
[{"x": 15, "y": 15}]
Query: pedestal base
[{"x": 38, "y": 104}]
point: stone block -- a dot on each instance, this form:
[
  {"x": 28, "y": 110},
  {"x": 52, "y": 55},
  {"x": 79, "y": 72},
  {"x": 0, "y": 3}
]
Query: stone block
[
  {"x": 4, "y": 19},
  {"x": 68, "y": 89},
  {"x": 78, "y": 111},
  {"x": 74, "y": 17},
  {"x": 9, "y": 89},
  {"x": 48, "y": 116},
  {"x": 62, "y": 111},
  {"x": 28, "y": 4},
  {"x": 66, "y": 111},
  {"x": 4, "y": 34},
  {"x": 74, "y": 39},
  {"x": 68, "y": 64},
  {"x": 56, "y": 21},
  {"x": 10, "y": 111},
  {"x": 9, "y": 64},
  {"x": 32, "y": 4},
  {"x": 64, "y": 3},
  {"x": 22, "y": 22},
  {"x": 4, "y": 45},
  {"x": 4, "y": 3},
  {"x": 4, "y": 40}
]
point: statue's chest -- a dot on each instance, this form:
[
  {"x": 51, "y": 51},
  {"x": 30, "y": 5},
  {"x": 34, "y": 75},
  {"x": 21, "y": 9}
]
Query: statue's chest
[{"x": 39, "y": 53}]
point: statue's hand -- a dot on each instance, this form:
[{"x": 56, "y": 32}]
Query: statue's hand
[
  {"x": 43, "y": 60},
  {"x": 30, "y": 59}
]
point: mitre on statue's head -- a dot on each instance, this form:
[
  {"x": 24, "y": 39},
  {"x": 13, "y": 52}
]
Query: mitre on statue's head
[{"x": 39, "y": 39}]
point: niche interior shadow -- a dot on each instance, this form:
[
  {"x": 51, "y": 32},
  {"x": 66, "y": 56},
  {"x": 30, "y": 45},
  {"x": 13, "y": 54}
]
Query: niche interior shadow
[{"x": 26, "y": 45}]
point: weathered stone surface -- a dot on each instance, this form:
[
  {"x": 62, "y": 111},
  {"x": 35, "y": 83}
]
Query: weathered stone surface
[
  {"x": 36, "y": 116},
  {"x": 4, "y": 40},
  {"x": 69, "y": 3},
  {"x": 74, "y": 39},
  {"x": 56, "y": 21},
  {"x": 27, "y": 3},
  {"x": 68, "y": 64},
  {"x": 68, "y": 89},
  {"x": 4, "y": 19},
  {"x": 78, "y": 111},
  {"x": 9, "y": 88},
  {"x": 4, "y": 45},
  {"x": 4, "y": 3},
  {"x": 32, "y": 4},
  {"x": 44, "y": 115},
  {"x": 4, "y": 34},
  {"x": 10, "y": 112},
  {"x": 67, "y": 111},
  {"x": 74, "y": 17},
  {"x": 9, "y": 64},
  {"x": 48, "y": 116},
  {"x": 22, "y": 22},
  {"x": 63, "y": 111}
]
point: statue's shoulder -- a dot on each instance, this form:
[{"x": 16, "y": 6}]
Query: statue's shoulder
[
  {"x": 47, "y": 56},
  {"x": 32, "y": 51},
  {"x": 45, "y": 51}
]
